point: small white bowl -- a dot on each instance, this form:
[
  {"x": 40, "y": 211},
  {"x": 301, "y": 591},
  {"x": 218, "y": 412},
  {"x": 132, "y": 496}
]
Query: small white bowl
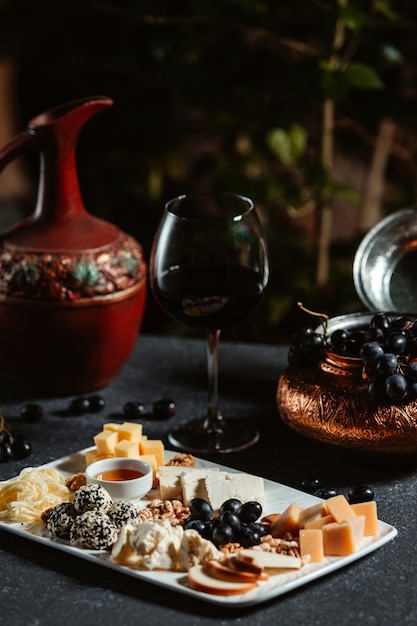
[{"x": 109, "y": 474}]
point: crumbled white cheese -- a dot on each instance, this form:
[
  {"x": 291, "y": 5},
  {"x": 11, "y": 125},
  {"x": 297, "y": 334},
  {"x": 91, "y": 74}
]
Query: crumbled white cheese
[
  {"x": 158, "y": 542},
  {"x": 195, "y": 550},
  {"x": 158, "y": 545},
  {"x": 122, "y": 551}
]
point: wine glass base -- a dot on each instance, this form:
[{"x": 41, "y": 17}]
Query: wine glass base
[{"x": 235, "y": 435}]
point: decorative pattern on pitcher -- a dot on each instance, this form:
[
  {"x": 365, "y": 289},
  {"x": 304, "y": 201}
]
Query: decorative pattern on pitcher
[{"x": 69, "y": 277}]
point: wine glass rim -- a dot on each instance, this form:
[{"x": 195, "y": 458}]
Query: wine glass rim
[{"x": 170, "y": 204}]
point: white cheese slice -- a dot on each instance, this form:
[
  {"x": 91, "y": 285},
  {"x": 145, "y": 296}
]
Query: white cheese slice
[
  {"x": 269, "y": 560},
  {"x": 224, "y": 485},
  {"x": 170, "y": 480},
  {"x": 193, "y": 483}
]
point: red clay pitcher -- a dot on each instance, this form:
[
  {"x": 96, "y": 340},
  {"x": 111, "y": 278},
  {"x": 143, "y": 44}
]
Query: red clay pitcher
[{"x": 72, "y": 286}]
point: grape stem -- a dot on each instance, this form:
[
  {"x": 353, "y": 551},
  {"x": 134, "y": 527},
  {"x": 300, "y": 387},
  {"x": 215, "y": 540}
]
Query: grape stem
[
  {"x": 3, "y": 424},
  {"x": 323, "y": 317}
]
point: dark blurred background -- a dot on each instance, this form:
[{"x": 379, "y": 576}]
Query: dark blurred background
[{"x": 309, "y": 107}]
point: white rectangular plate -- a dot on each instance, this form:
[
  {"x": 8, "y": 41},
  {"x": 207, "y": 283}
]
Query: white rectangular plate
[{"x": 277, "y": 498}]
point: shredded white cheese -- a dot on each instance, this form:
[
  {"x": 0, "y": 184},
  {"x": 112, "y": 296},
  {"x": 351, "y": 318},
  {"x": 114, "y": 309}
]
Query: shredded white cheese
[{"x": 24, "y": 497}]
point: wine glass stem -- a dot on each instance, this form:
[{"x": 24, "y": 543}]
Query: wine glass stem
[{"x": 214, "y": 419}]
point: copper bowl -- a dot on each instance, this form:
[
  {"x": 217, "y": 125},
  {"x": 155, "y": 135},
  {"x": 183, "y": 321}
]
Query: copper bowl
[{"x": 330, "y": 403}]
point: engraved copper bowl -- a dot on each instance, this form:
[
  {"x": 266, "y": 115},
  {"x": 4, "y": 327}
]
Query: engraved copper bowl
[{"x": 330, "y": 403}]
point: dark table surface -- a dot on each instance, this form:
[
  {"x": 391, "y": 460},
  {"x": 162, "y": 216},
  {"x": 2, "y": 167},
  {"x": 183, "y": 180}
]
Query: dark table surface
[{"x": 45, "y": 586}]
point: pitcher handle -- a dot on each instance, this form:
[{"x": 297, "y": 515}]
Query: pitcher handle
[{"x": 26, "y": 140}]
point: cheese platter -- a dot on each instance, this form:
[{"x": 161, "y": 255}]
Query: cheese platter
[{"x": 277, "y": 497}]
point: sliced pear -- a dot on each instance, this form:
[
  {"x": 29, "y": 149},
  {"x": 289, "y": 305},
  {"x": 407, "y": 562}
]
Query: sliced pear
[
  {"x": 233, "y": 562},
  {"x": 225, "y": 572},
  {"x": 199, "y": 580}
]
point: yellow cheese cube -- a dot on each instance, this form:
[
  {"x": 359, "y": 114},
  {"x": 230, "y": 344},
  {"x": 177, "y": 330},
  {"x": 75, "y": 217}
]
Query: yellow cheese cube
[
  {"x": 319, "y": 522},
  {"x": 127, "y": 448},
  {"x": 287, "y": 522},
  {"x": 130, "y": 431},
  {"x": 127, "y": 430},
  {"x": 90, "y": 456},
  {"x": 105, "y": 442},
  {"x": 151, "y": 459},
  {"x": 153, "y": 446},
  {"x": 111, "y": 426},
  {"x": 368, "y": 509},
  {"x": 311, "y": 543},
  {"x": 339, "y": 508},
  {"x": 93, "y": 455},
  {"x": 343, "y": 538},
  {"x": 312, "y": 513}
]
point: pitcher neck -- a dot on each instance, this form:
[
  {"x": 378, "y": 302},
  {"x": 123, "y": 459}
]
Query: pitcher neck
[{"x": 59, "y": 194}]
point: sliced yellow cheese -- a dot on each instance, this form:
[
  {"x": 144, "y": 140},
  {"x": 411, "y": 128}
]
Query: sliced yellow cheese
[
  {"x": 311, "y": 544},
  {"x": 368, "y": 509},
  {"x": 105, "y": 442},
  {"x": 343, "y": 538},
  {"x": 155, "y": 447},
  {"x": 127, "y": 448}
]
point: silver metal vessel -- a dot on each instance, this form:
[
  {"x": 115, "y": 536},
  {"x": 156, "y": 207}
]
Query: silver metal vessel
[{"x": 385, "y": 264}]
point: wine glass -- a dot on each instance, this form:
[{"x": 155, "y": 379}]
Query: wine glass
[{"x": 208, "y": 270}]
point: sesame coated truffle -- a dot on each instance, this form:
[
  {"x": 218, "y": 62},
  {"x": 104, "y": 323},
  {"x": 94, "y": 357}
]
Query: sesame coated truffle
[
  {"x": 60, "y": 520},
  {"x": 92, "y": 497},
  {"x": 123, "y": 512},
  {"x": 93, "y": 530}
]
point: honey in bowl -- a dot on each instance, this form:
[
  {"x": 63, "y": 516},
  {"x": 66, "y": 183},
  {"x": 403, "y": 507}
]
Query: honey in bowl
[
  {"x": 123, "y": 478},
  {"x": 119, "y": 474}
]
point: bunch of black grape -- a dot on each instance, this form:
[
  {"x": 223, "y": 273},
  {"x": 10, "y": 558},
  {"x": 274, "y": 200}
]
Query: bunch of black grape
[
  {"x": 306, "y": 348},
  {"x": 12, "y": 446},
  {"x": 390, "y": 358},
  {"x": 387, "y": 347},
  {"x": 236, "y": 522}
]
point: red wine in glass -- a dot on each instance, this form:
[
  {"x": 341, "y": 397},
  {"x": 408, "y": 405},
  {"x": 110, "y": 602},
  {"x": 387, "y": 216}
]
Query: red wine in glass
[
  {"x": 208, "y": 298},
  {"x": 209, "y": 269}
]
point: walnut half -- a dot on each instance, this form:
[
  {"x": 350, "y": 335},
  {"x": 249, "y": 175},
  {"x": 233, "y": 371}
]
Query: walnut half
[
  {"x": 182, "y": 459},
  {"x": 76, "y": 481}
]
